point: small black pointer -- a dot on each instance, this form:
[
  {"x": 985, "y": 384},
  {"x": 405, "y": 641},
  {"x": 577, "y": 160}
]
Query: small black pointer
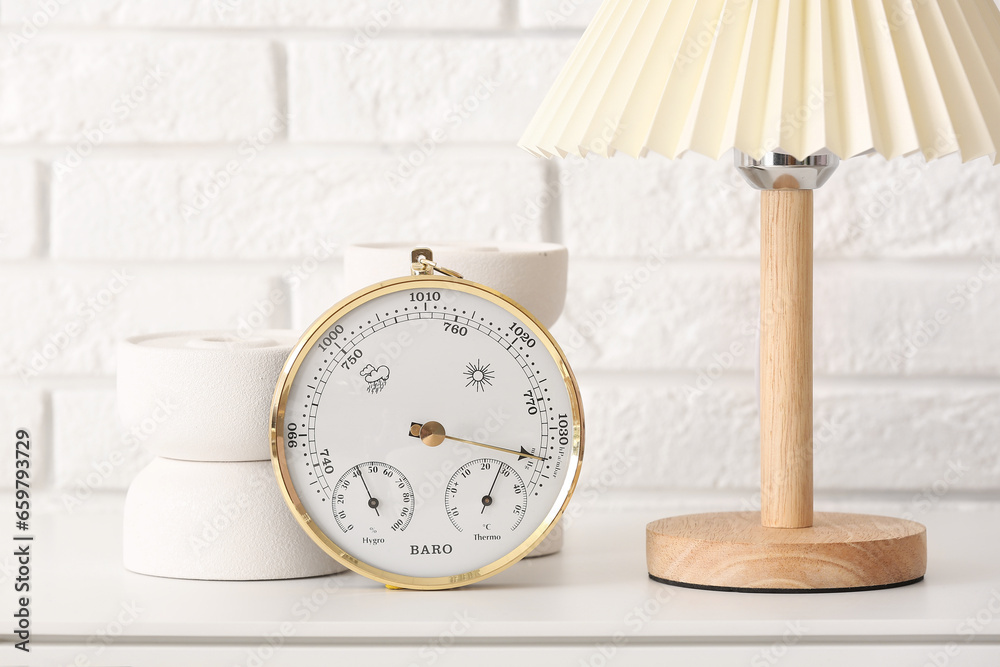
[
  {"x": 488, "y": 498},
  {"x": 372, "y": 502}
]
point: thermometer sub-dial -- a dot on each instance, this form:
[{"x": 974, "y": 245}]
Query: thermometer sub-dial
[
  {"x": 374, "y": 498},
  {"x": 487, "y": 497}
]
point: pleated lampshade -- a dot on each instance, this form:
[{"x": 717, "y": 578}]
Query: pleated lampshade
[{"x": 796, "y": 76}]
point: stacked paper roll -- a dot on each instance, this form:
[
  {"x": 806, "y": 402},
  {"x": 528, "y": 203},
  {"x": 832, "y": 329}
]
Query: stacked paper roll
[
  {"x": 209, "y": 506},
  {"x": 553, "y": 543},
  {"x": 213, "y": 389},
  {"x": 216, "y": 520},
  {"x": 532, "y": 274}
]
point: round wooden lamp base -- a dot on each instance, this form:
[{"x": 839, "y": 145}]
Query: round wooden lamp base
[{"x": 732, "y": 551}]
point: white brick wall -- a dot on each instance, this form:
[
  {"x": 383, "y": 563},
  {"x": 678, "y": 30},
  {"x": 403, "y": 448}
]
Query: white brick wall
[
  {"x": 218, "y": 153},
  {"x": 88, "y": 91},
  {"x": 412, "y": 90},
  {"x": 19, "y": 228},
  {"x": 272, "y": 205},
  {"x": 351, "y": 14},
  {"x": 557, "y": 14},
  {"x": 870, "y": 319},
  {"x": 69, "y": 318}
]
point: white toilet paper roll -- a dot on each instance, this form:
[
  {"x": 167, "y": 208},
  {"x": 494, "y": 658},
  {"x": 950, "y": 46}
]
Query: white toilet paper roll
[
  {"x": 216, "y": 520},
  {"x": 532, "y": 274},
  {"x": 201, "y": 395}
]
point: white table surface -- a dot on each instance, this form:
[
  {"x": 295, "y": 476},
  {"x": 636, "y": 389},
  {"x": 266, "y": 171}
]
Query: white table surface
[{"x": 592, "y": 604}]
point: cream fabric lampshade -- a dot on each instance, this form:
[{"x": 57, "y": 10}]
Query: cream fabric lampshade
[{"x": 799, "y": 76}]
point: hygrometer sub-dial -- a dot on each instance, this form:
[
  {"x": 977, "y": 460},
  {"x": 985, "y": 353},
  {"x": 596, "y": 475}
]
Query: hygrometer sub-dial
[
  {"x": 374, "y": 498},
  {"x": 486, "y": 497}
]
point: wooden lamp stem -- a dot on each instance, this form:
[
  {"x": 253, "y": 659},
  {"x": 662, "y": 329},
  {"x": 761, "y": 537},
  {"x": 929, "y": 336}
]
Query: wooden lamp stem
[
  {"x": 785, "y": 547},
  {"x": 786, "y": 370}
]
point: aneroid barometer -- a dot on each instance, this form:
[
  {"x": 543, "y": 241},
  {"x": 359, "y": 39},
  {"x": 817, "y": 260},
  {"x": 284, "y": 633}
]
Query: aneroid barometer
[{"x": 427, "y": 431}]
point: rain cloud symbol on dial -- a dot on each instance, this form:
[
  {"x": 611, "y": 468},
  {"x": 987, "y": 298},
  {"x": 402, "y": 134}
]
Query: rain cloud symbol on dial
[{"x": 375, "y": 377}]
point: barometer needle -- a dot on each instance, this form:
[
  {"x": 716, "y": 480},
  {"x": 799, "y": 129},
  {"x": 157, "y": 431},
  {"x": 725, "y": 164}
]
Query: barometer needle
[{"x": 433, "y": 434}]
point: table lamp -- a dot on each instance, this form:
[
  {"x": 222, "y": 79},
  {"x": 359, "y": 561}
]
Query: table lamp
[{"x": 793, "y": 86}]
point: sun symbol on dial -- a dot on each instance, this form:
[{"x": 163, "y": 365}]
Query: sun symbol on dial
[{"x": 479, "y": 374}]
